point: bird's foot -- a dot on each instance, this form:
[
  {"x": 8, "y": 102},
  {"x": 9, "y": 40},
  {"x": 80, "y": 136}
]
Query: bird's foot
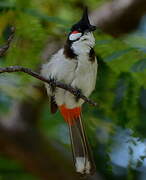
[
  {"x": 78, "y": 94},
  {"x": 52, "y": 84}
]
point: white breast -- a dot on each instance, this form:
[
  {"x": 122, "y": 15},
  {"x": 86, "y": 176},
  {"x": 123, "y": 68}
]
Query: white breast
[
  {"x": 62, "y": 69},
  {"x": 80, "y": 73},
  {"x": 85, "y": 80}
]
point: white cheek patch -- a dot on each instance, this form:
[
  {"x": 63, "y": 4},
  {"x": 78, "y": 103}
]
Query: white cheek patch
[{"x": 75, "y": 36}]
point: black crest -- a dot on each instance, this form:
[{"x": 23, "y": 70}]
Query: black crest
[{"x": 84, "y": 24}]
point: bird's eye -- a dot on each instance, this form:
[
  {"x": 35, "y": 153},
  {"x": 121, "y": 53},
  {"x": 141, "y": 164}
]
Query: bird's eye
[
  {"x": 79, "y": 29},
  {"x": 75, "y": 35}
]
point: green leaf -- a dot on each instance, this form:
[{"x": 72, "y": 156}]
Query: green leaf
[
  {"x": 35, "y": 13},
  {"x": 139, "y": 66},
  {"x": 99, "y": 42},
  {"x": 117, "y": 54},
  {"x": 6, "y": 5},
  {"x": 42, "y": 16}
]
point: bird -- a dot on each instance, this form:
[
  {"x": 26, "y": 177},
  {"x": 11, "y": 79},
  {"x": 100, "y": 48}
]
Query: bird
[{"x": 76, "y": 65}]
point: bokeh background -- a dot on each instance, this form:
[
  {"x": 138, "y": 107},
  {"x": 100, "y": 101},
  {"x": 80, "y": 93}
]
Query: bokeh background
[{"x": 33, "y": 143}]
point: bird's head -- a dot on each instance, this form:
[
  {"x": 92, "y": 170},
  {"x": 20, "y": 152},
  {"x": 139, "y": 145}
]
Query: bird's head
[{"x": 81, "y": 36}]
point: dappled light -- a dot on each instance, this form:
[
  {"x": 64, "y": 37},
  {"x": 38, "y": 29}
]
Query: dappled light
[{"x": 35, "y": 144}]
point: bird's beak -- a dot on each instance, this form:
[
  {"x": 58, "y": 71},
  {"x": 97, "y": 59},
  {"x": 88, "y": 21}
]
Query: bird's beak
[{"x": 92, "y": 28}]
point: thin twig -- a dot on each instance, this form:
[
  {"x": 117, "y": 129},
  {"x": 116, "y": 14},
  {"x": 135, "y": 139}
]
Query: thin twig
[
  {"x": 49, "y": 81},
  {"x": 5, "y": 47},
  {"x": 38, "y": 76}
]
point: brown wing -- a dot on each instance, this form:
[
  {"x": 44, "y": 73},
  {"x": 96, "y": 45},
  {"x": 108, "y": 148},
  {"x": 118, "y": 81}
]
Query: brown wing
[{"x": 53, "y": 105}]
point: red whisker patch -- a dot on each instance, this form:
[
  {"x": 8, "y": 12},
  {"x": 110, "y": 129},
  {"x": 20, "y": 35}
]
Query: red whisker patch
[{"x": 75, "y": 32}]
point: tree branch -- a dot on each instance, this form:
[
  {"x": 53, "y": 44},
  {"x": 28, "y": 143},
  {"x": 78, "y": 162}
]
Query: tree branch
[
  {"x": 118, "y": 17},
  {"x": 5, "y": 47},
  {"x": 49, "y": 81}
]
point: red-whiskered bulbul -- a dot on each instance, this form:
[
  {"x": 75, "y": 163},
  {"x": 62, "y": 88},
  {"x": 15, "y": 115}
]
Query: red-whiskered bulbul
[{"x": 76, "y": 65}]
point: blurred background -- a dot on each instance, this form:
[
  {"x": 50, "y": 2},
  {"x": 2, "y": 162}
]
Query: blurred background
[{"x": 33, "y": 143}]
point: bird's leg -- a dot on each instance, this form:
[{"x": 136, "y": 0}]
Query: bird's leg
[
  {"x": 78, "y": 94},
  {"x": 52, "y": 84}
]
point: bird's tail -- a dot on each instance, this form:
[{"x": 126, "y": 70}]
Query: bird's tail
[{"x": 81, "y": 150}]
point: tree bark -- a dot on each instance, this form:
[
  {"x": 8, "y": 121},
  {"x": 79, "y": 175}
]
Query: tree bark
[{"x": 119, "y": 17}]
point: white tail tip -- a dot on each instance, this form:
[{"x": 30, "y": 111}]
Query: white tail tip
[{"x": 82, "y": 165}]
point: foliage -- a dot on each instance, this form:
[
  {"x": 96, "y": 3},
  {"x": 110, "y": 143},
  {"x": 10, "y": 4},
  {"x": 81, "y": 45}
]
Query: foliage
[{"x": 121, "y": 81}]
